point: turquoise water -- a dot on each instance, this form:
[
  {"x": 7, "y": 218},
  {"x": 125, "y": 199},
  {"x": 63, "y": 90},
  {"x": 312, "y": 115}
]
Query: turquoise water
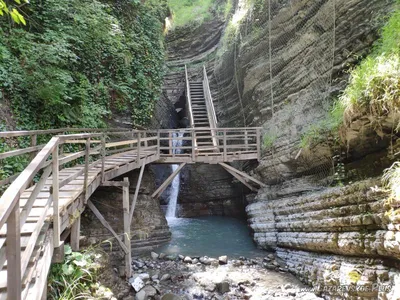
[{"x": 210, "y": 236}]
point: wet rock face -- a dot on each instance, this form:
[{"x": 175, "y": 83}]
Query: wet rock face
[
  {"x": 209, "y": 190},
  {"x": 149, "y": 228}
]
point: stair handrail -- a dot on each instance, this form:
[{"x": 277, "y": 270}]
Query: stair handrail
[
  {"x": 212, "y": 116},
  {"x": 188, "y": 98}
]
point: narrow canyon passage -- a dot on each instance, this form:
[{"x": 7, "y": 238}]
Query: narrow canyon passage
[{"x": 200, "y": 149}]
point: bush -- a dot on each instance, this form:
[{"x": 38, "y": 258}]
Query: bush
[
  {"x": 328, "y": 126},
  {"x": 187, "y": 12},
  {"x": 374, "y": 86},
  {"x": 78, "y": 61},
  {"x": 76, "y": 278}
]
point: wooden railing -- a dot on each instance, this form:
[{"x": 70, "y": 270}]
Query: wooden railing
[
  {"x": 33, "y": 137},
  {"x": 90, "y": 150},
  {"x": 212, "y": 116},
  {"x": 188, "y": 98},
  {"x": 209, "y": 102}
]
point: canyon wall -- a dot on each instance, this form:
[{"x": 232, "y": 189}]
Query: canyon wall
[
  {"x": 205, "y": 189},
  {"x": 281, "y": 65}
]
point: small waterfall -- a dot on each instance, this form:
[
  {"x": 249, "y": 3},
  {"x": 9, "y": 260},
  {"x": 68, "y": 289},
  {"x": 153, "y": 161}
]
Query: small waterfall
[{"x": 174, "y": 192}]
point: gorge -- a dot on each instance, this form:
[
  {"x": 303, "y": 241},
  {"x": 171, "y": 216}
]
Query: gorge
[{"x": 320, "y": 79}]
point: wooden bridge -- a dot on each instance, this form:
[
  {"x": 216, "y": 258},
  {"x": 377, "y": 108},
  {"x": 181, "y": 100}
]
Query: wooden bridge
[
  {"x": 42, "y": 205},
  {"x": 47, "y": 198}
]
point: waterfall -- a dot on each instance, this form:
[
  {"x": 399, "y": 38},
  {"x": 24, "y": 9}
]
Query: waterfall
[{"x": 174, "y": 192}]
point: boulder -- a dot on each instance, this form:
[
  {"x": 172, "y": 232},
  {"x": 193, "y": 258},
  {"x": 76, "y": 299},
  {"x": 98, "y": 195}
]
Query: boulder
[
  {"x": 223, "y": 260},
  {"x": 223, "y": 287},
  {"x": 188, "y": 260},
  {"x": 141, "y": 295},
  {"x": 150, "y": 291},
  {"x": 154, "y": 255},
  {"x": 137, "y": 283},
  {"x": 170, "y": 296}
]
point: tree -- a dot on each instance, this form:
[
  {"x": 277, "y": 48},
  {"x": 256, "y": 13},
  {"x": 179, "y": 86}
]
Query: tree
[{"x": 12, "y": 10}]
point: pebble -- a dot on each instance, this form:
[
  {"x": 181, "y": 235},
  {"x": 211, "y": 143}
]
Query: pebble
[
  {"x": 154, "y": 255},
  {"x": 165, "y": 277},
  {"x": 188, "y": 260}
]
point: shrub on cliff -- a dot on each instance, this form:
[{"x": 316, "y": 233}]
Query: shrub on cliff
[{"x": 374, "y": 87}]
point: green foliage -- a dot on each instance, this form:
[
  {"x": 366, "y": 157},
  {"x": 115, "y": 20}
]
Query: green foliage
[
  {"x": 76, "y": 278},
  {"x": 12, "y": 165},
  {"x": 187, "y": 12},
  {"x": 374, "y": 86},
  {"x": 319, "y": 131},
  {"x": 12, "y": 11},
  {"x": 81, "y": 60},
  {"x": 228, "y": 8}
]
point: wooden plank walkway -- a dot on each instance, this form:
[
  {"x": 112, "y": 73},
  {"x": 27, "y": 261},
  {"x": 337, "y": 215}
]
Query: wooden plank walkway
[
  {"x": 68, "y": 195},
  {"x": 34, "y": 215}
]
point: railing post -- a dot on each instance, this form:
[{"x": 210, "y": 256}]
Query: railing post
[
  {"x": 13, "y": 253},
  {"x": 86, "y": 179},
  {"x": 246, "y": 142},
  {"x": 145, "y": 140},
  {"x": 103, "y": 156},
  {"x": 139, "y": 142},
  {"x": 170, "y": 143},
  {"x": 193, "y": 145},
  {"x": 55, "y": 195},
  {"x": 158, "y": 142},
  {"x": 258, "y": 144},
  {"x": 225, "y": 154}
]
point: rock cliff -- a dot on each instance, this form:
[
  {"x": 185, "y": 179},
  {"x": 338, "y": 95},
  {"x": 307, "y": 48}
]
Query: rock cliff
[{"x": 280, "y": 65}]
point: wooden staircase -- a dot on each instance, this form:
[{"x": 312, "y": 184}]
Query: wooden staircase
[
  {"x": 202, "y": 114},
  {"x": 200, "y": 117}
]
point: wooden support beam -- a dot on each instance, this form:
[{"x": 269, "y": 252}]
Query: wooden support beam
[
  {"x": 76, "y": 233},
  {"x": 228, "y": 167},
  {"x": 106, "y": 225},
  {"x": 127, "y": 229},
  {"x": 238, "y": 177},
  {"x": 161, "y": 189},
  {"x": 139, "y": 182}
]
